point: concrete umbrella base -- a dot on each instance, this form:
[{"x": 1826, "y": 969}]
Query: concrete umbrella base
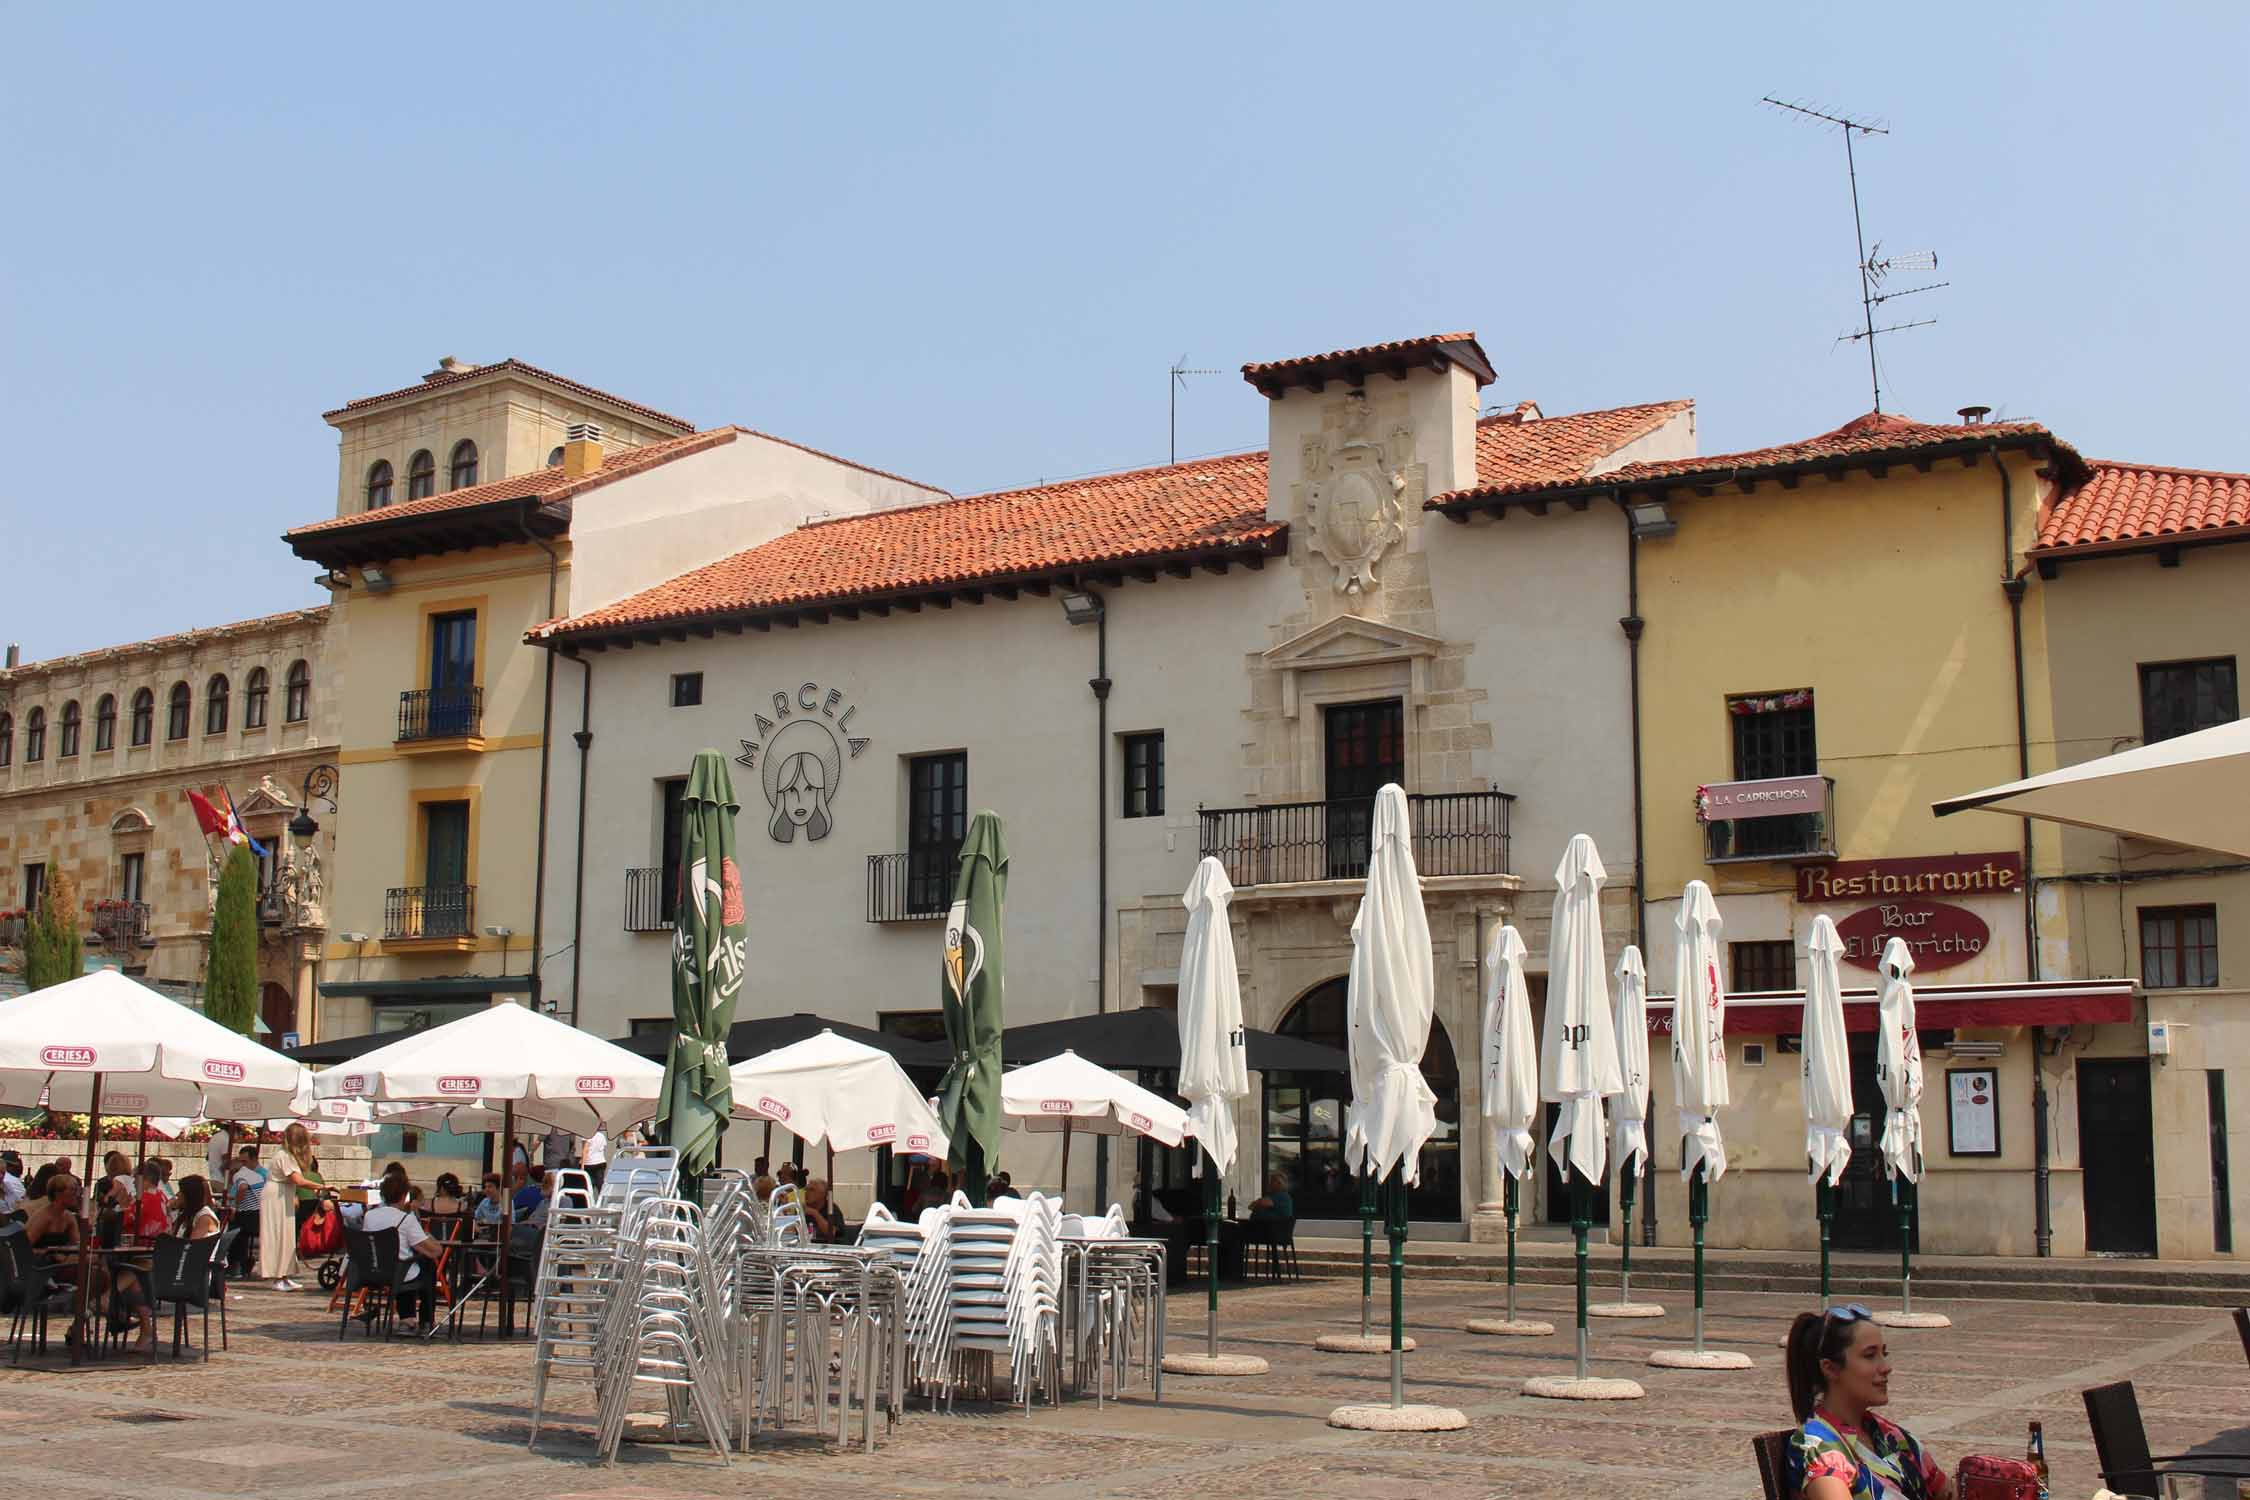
[
  {"x": 1592, "y": 1388},
  {"x": 1360, "y": 1343},
  {"x": 1913, "y": 1320},
  {"x": 1626, "y": 1310},
  {"x": 1708, "y": 1359},
  {"x": 1522, "y": 1328},
  {"x": 1398, "y": 1418},
  {"x": 1214, "y": 1364}
]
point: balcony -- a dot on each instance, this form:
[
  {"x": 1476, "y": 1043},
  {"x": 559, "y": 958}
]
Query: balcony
[
  {"x": 122, "y": 925},
  {"x": 430, "y": 919},
  {"x": 916, "y": 886},
  {"x": 1780, "y": 818},
  {"x": 437, "y": 719},
  {"x": 648, "y": 905},
  {"x": 12, "y": 928},
  {"x": 1456, "y": 834}
]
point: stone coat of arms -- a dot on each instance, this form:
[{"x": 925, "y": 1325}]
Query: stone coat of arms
[{"x": 1357, "y": 494}]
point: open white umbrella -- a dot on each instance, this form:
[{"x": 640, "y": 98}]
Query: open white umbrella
[
  {"x": 1827, "y": 1075},
  {"x": 1214, "y": 1065},
  {"x": 1069, "y": 1094},
  {"x": 1699, "y": 1070},
  {"x": 2184, "y": 790},
  {"x": 1898, "y": 1071},
  {"x": 1578, "y": 1047},
  {"x": 1628, "y": 1123},
  {"x": 1391, "y": 1001},
  {"x": 533, "y": 1066},
  {"x": 1511, "y": 1077},
  {"x": 829, "y": 1090}
]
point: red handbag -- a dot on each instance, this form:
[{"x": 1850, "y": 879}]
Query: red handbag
[{"x": 1983, "y": 1477}]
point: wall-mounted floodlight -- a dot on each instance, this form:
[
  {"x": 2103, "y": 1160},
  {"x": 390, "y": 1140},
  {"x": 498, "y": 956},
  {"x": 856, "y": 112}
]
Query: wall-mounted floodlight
[
  {"x": 377, "y": 581},
  {"x": 1651, "y": 519},
  {"x": 1081, "y": 606}
]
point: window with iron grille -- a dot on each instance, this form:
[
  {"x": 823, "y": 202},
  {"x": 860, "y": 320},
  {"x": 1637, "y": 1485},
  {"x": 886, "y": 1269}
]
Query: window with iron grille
[
  {"x": 1762, "y": 966},
  {"x": 687, "y": 689},
  {"x": 1144, "y": 775},
  {"x": 2180, "y": 697},
  {"x": 2179, "y": 947},
  {"x": 1773, "y": 736}
]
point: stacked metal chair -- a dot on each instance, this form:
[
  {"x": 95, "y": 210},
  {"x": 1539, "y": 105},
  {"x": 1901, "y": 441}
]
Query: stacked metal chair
[
  {"x": 641, "y": 1173},
  {"x": 1116, "y": 1304},
  {"x": 663, "y": 1328},
  {"x": 571, "y": 1294}
]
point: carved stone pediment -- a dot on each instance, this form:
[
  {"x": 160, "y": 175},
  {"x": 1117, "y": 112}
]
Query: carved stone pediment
[
  {"x": 1349, "y": 641},
  {"x": 266, "y": 797}
]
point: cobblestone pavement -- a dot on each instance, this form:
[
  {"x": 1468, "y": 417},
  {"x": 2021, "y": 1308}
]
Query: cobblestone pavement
[{"x": 289, "y": 1414}]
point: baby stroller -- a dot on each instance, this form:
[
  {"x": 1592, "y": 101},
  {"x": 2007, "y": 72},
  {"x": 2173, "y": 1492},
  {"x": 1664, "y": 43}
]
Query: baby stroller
[{"x": 320, "y": 1241}]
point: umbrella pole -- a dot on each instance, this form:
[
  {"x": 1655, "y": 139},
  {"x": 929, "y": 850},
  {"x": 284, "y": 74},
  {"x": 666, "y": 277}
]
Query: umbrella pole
[
  {"x": 1508, "y": 1196},
  {"x": 143, "y": 1147},
  {"x": 1066, "y": 1162},
  {"x": 1211, "y": 1252},
  {"x": 86, "y": 1206},
  {"x": 1905, "y": 1206},
  {"x": 508, "y": 1220},
  {"x": 1397, "y": 1227},
  {"x": 1625, "y": 1253},
  {"x": 1824, "y": 1203},
  {"x": 1366, "y": 1248},
  {"x": 1581, "y": 1220},
  {"x": 1699, "y": 1213},
  {"x": 767, "y": 1150}
]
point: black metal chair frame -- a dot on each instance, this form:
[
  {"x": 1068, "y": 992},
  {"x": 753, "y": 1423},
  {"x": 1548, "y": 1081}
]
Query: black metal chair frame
[
  {"x": 1772, "y": 1449},
  {"x": 2113, "y": 1411},
  {"x": 30, "y": 1284},
  {"x": 220, "y": 1259},
  {"x": 372, "y": 1270}
]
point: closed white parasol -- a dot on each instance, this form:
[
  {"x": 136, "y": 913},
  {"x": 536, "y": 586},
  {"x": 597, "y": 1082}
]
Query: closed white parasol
[
  {"x": 1511, "y": 1055},
  {"x": 1578, "y": 1050},
  {"x": 1214, "y": 1062},
  {"x": 1898, "y": 1065},
  {"x": 1392, "y": 1000},
  {"x": 1827, "y": 1067},
  {"x": 1699, "y": 1044}
]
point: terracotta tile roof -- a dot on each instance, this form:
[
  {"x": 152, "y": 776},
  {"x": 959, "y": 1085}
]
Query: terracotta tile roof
[
  {"x": 2120, "y": 506},
  {"x": 1872, "y": 437},
  {"x": 1213, "y": 505},
  {"x": 1513, "y": 451},
  {"x": 547, "y": 484},
  {"x": 1462, "y": 348},
  {"x": 313, "y": 615},
  {"x": 508, "y": 367}
]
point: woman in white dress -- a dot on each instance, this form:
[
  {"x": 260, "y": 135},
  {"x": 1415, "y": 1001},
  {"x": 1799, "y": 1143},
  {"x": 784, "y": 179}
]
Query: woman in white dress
[{"x": 277, "y": 1210}]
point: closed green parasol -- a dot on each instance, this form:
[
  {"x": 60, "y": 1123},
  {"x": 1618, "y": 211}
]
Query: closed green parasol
[
  {"x": 710, "y": 952},
  {"x": 971, "y": 990}
]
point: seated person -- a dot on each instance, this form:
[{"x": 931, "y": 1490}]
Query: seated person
[
  {"x": 1839, "y": 1371},
  {"x": 446, "y": 1199},
  {"x": 532, "y": 1194},
  {"x": 193, "y": 1217},
  {"x": 490, "y": 1209},
  {"x": 1276, "y": 1204},
  {"x": 824, "y": 1221},
  {"x": 417, "y": 1252},
  {"x": 151, "y": 1215},
  {"x": 1000, "y": 1186}
]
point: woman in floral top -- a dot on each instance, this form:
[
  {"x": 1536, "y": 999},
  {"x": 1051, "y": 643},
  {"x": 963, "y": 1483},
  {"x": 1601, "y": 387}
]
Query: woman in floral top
[{"x": 1839, "y": 1372}]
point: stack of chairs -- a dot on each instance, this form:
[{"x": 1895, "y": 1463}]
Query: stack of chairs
[
  {"x": 571, "y": 1295},
  {"x": 1117, "y": 1304},
  {"x": 828, "y": 1337},
  {"x": 663, "y": 1328},
  {"x": 641, "y": 1173}
]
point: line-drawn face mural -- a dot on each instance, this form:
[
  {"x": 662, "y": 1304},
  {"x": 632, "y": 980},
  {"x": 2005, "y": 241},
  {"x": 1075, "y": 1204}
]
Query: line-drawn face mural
[{"x": 803, "y": 764}]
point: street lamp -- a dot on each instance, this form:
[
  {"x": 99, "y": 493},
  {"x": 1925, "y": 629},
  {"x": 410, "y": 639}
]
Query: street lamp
[{"x": 320, "y": 782}]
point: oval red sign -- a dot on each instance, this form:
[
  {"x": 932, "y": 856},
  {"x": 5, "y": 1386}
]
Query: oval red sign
[{"x": 1939, "y": 936}]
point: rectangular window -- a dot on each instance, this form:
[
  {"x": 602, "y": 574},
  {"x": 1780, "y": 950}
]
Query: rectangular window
[
  {"x": 1762, "y": 966},
  {"x": 2180, "y": 697},
  {"x": 937, "y": 819},
  {"x": 643, "y": 1027},
  {"x": 687, "y": 689},
  {"x": 1365, "y": 751},
  {"x": 1773, "y": 736},
  {"x": 1144, "y": 775},
  {"x": 132, "y": 873},
  {"x": 2222, "y": 1189},
  {"x": 34, "y": 887},
  {"x": 671, "y": 839},
  {"x": 2179, "y": 947}
]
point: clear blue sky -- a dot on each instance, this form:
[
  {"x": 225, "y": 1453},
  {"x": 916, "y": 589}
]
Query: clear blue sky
[{"x": 965, "y": 242}]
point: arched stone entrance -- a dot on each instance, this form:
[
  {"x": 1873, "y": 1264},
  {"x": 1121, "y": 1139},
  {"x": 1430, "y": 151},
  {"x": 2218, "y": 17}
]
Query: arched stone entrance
[
  {"x": 278, "y": 1009},
  {"x": 1302, "y": 1120}
]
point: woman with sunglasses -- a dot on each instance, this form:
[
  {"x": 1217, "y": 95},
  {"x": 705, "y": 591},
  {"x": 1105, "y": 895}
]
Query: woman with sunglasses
[{"x": 1839, "y": 1372}]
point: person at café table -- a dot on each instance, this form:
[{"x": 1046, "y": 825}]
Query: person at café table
[
  {"x": 52, "y": 1232},
  {"x": 1839, "y": 1371},
  {"x": 151, "y": 1213},
  {"x": 823, "y": 1218},
  {"x": 1276, "y": 1204},
  {"x": 417, "y": 1251},
  {"x": 491, "y": 1208},
  {"x": 148, "y": 1219},
  {"x": 533, "y": 1193},
  {"x": 193, "y": 1217},
  {"x": 445, "y": 1197}
]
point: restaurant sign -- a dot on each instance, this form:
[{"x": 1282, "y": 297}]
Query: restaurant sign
[
  {"x": 1942, "y": 876},
  {"x": 1775, "y": 797},
  {"x": 1938, "y": 935}
]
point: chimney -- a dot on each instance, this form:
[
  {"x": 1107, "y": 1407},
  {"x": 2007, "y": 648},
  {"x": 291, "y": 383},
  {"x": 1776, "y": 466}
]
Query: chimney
[
  {"x": 451, "y": 366},
  {"x": 1974, "y": 415},
  {"x": 582, "y": 449},
  {"x": 15, "y": 656}
]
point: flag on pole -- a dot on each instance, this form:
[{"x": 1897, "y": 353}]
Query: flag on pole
[{"x": 219, "y": 820}]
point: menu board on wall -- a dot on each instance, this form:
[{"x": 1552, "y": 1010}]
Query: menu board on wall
[{"x": 1972, "y": 1111}]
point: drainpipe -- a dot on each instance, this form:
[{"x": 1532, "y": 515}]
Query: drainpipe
[
  {"x": 1633, "y": 625},
  {"x": 584, "y": 739},
  {"x": 1101, "y": 685},
  {"x": 2014, "y": 585},
  {"x": 546, "y": 733}
]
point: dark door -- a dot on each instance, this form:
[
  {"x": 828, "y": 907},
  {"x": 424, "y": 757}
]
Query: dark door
[
  {"x": 937, "y": 820},
  {"x": 2117, "y": 1148},
  {"x": 1774, "y": 741},
  {"x": 675, "y": 845},
  {"x": 445, "y": 896},
  {"x": 278, "y": 1009},
  {"x": 453, "y": 673},
  {"x": 1866, "y": 1211},
  {"x": 1366, "y": 752}
]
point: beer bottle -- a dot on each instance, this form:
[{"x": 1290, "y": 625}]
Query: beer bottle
[{"x": 2035, "y": 1454}]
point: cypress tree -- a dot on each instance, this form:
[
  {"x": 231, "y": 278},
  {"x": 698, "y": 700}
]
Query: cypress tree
[
  {"x": 52, "y": 951},
  {"x": 230, "y": 978}
]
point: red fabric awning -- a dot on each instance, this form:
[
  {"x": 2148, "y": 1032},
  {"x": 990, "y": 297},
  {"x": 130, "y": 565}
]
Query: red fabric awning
[{"x": 1937, "y": 1007}]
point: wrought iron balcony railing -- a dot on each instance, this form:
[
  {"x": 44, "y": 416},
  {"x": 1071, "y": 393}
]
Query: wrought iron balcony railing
[
  {"x": 1782, "y": 817},
  {"x": 122, "y": 924},
  {"x": 649, "y": 900},
  {"x": 440, "y": 713},
  {"x": 911, "y": 887},
  {"x": 429, "y": 911},
  {"x": 1455, "y": 833}
]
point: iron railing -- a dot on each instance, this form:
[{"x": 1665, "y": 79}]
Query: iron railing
[
  {"x": 1807, "y": 835},
  {"x": 122, "y": 924},
  {"x": 429, "y": 911},
  {"x": 911, "y": 887},
  {"x": 12, "y": 931},
  {"x": 1455, "y": 833},
  {"x": 648, "y": 901},
  {"x": 273, "y": 905},
  {"x": 440, "y": 713}
]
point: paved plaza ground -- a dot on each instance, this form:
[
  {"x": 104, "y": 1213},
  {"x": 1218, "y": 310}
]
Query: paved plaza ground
[{"x": 289, "y": 1414}]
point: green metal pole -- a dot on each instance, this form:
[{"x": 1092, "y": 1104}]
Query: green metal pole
[
  {"x": 1699, "y": 1213},
  {"x": 1508, "y": 1194},
  {"x": 1211, "y": 1251},
  {"x": 1397, "y": 1226},
  {"x": 1581, "y": 1220},
  {"x": 1902, "y": 1196},
  {"x": 1625, "y": 1185},
  {"x": 1824, "y": 1200},
  {"x": 1367, "y": 1211}
]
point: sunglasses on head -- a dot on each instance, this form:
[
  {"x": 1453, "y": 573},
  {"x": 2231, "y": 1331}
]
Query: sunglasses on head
[{"x": 1847, "y": 1312}]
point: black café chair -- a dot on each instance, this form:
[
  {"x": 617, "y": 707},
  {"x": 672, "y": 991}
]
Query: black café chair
[
  {"x": 180, "y": 1272},
  {"x": 372, "y": 1278},
  {"x": 1772, "y": 1449},
  {"x": 29, "y": 1292},
  {"x": 2121, "y": 1445},
  {"x": 221, "y": 1259}
]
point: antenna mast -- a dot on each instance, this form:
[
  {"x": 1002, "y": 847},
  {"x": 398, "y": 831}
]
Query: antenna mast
[
  {"x": 1180, "y": 373},
  {"x": 1872, "y": 267}
]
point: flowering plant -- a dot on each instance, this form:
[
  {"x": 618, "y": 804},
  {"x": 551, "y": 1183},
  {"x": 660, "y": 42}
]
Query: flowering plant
[{"x": 1702, "y": 804}]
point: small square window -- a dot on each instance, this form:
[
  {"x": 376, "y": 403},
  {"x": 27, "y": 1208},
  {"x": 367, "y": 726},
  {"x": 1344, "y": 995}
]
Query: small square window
[
  {"x": 2179, "y": 947},
  {"x": 1144, "y": 775},
  {"x": 687, "y": 689},
  {"x": 1762, "y": 966},
  {"x": 1753, "y": 1054}
]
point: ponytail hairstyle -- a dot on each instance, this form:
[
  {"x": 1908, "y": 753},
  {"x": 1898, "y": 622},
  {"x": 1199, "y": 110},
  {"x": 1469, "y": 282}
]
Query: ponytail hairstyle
[{"x": 1813, "y": 1337}]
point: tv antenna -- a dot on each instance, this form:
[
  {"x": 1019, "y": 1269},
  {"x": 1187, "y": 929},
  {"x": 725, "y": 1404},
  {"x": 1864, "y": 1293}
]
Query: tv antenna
[
  {"x": 1180, "y": 373},
  {"x": 1874, "y": 267}
]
